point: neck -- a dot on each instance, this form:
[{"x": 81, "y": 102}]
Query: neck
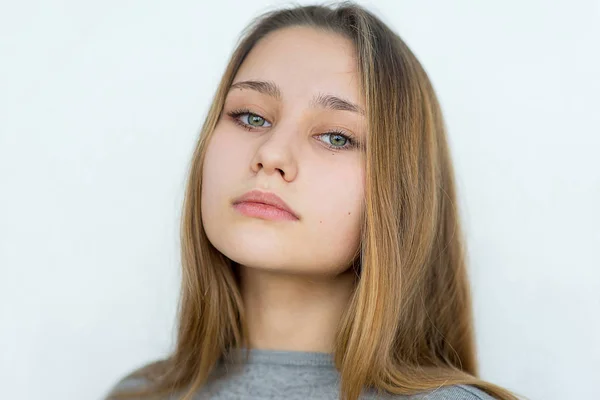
[{"x": 293, "y": 312}]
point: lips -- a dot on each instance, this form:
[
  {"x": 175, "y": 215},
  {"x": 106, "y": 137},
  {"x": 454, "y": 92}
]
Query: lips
[{"x": 270, "y": 199}]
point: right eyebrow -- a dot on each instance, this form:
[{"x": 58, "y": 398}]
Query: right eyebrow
[{"x": 264, "y": 87}]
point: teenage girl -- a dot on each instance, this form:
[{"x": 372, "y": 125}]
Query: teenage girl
[{"x": 321, "y": 246}]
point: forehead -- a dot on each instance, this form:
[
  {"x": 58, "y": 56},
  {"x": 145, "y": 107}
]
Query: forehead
[{"x": 303, "y": 61}]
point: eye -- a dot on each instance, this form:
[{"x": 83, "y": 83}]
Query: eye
[
  {"x": 335, "y": 139},
  {"x": 338, "y": 140},
  {"x": 255, "y": 120},
  {"x": 247, "y": 119}
]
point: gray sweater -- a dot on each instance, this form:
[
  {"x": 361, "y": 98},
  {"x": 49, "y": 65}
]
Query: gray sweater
[{"x": 295, "y": 375}]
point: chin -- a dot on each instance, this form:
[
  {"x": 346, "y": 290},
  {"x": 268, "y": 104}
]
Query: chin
[
  {"x": 268, "y": 257},
  {"x": 256, "y": 248},
  {"x": 269, "y": 248},
  {"x": 281, "y": 261}
]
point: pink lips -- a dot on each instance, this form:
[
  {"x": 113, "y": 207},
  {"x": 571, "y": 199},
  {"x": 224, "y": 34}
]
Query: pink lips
[{"x": 264, "y": 205}]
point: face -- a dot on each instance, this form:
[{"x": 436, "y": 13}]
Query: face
[{"x": 292, "y": 126}]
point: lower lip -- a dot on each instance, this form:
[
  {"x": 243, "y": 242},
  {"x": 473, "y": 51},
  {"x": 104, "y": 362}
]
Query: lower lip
[{"x": 264, "y": 211}]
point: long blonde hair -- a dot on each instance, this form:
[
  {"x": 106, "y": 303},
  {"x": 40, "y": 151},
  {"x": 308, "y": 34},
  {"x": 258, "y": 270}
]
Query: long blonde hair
[{"x": 408, "y": 327}]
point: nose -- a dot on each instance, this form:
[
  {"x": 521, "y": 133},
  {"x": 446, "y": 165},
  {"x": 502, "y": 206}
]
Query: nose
[{"x": 275, "y": 155}]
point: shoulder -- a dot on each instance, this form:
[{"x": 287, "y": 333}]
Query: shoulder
[
  {"x": 126, "y": 384},
  {"x": 137, "y": 380},
  {"x": 454, "y": 392}
]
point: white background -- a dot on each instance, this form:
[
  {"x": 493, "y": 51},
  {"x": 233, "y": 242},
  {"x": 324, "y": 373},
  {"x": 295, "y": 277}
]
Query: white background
[{"x": 100, "y": 107}]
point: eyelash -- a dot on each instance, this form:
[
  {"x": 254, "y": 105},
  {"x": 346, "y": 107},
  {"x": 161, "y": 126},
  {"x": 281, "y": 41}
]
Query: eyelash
[{"x": 351, "y": 142}]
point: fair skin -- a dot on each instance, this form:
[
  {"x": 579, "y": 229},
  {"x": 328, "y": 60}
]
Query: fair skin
[{"x": 295, "y": 275}]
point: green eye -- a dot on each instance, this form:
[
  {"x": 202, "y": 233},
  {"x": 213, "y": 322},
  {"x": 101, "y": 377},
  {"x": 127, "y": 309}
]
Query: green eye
[
  {"x": 255, "y": 120},
  {"x": 338, "y": 140}
]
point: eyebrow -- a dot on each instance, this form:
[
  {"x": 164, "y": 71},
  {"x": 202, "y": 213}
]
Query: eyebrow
[{"x": 326, "y": 101}]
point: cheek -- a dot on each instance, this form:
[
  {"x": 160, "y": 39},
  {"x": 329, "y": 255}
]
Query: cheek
[
  {"x": 224, "y": 156},
  {"x": 338, "y": 204},
  {"x": 222, "y": 162},
  {"x": 341, "y": 193}
]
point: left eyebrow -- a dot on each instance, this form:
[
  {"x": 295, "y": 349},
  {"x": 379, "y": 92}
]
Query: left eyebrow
[
  {"x": 326, "y": 101},
  {"x": 331, "y": 102}
]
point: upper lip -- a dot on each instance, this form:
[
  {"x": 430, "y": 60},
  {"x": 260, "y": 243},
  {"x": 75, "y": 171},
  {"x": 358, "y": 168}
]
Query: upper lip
[{"x": 271, "y": 199}]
